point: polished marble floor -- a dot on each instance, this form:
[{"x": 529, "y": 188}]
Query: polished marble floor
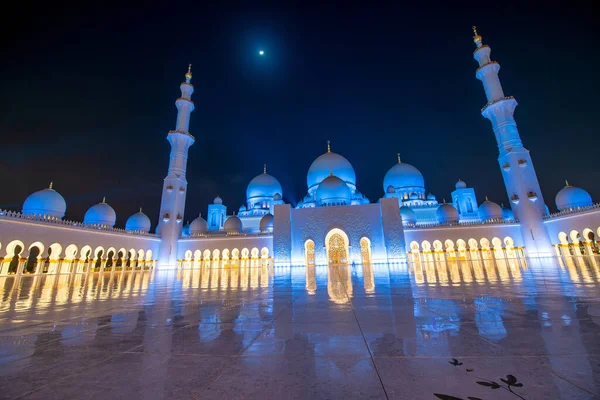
[{"x": 494, "y": 329}]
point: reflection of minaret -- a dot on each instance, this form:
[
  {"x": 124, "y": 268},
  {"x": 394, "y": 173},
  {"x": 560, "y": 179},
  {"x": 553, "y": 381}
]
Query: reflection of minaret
[
  {"x": 517, "y": 169},
  {"x": 174, "y": 191}
]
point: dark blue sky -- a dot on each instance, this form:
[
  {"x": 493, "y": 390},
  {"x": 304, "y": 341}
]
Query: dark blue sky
[{"x": 88, "y": 97}]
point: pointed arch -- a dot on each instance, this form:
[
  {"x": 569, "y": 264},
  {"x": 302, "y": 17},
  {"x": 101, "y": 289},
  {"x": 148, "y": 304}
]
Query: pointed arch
[
  {"x": 365, "y": 250},
  {"x": 337, "y": 246},
  {"x": 309, "y": 252}
]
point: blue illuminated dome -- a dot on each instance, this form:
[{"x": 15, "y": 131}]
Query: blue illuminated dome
[
  {"x": 489, "y": 210},
  {"x": 266, "y": 223},
  {"x": 460, "y": 185},
  {"x": 333, "y": 191},
  {"x": 218, "y": 200},
  {"x": 233, "y": 225},
  {"x": 446, "y": 214},
  {"x": 45, "y": 202},
  {"x": 100, "y": 214},
  {"x": 409, "y": 217},
  {"x": 138, "y": 222},
  {"x": 263, "y": 185},
  {"x": 403, "y": 175},
  {"x": 572, "y": 197},
  {"x": 328, "y": 163},
  {"x": 198, "y": 226}
]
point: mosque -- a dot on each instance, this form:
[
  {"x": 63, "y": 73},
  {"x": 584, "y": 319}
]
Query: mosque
[{"x": 334, "y": 223}]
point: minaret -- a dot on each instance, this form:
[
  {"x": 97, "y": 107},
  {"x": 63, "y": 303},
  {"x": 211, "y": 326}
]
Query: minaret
[
  {"x": 174, "y": 190},
  {"x": 517, "y": 169}
]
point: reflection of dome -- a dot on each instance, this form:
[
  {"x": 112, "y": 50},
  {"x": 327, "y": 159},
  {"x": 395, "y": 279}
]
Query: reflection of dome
[
  {"x": 138, "y": 222},
  {"x": 333, "y": 190},
  {"x": 460, "y": 185},
  {"x": 263, "y": 185},
  {"x": 490, "y": 210},
  {"x": 45, "y": 202},
  {"x": 233, "y": 225},
  {"x": 326, "y": 163},
  {"x": 100, "y": 214},
  {"x": 403, "y": 175},
  {"x": 408, "y": 216},
  {"x": 266, "y": 223},
  {"x": 218, "y": 200},
  {"x": 446, "y": 214},
  {"x": 572, "y": 197},
  {"x": 198, "y": 226}
]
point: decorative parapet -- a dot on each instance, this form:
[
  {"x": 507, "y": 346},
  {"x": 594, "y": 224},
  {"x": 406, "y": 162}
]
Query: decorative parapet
[
  {"x": 485, "y": 65},
  {"x": 226, "y": 234},
  {"x": 434, "y": 225},
  {"x": 491, "y": 103},
  {"x": 47, "y": 219},
  {"x": 572, "y": 211},
  {"x": 183, "y": 133}
]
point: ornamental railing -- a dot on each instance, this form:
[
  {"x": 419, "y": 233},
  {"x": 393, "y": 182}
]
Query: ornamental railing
[
  {"x": 226, "y": 234},
  {"x": 51, "y": 220},
  {"x": 497, "y": 221},
  {"x": 571, "y": 211},
  {"x": 496, "y": 101}
]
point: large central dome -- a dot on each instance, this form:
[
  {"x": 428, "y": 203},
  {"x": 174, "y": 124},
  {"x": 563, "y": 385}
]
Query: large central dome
[
  {"x": 263, "y": 185},
  {"x": 330, "y": 164}
]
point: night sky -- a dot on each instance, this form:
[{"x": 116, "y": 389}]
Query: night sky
[{"x": 88, "y": 97}]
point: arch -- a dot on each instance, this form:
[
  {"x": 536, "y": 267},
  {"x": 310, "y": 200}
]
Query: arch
[
  {"x": 365, "y": 250},
  {"x": 485, "y": 244},
  {"x": 85, "y": 252},
  {"x": 245, "y": 253},
  {"x": 473, "y": 245},
  {"x": 39, "y": 245},
  {"x": 206, "y": 255},
  {"x": 414, "y": 246},
  {"x": 132, "y": 254},
  {"x": 254, "y": 252},
  {"x": 149, "y": 255},
  {"x": 587, "y": 235},
  {"x": 438, "y": 246},
  {"x": 141, "y": 254},
  {"x": 563, "y": 238},
  {"x": 216, "y": 254},
  {"x": 71, "y": 252},
  {"x": 98, "y": 252},
  {"x": 449, "y": 245},
  {"x": 425, "y": 245},
  {"x": 574, "y": 235},
  {"x": 309, "y": 252},
  {"x": 264, "y": 252},
  {"x": 336, "y": 246},
  {"x": 509, "y": 245},
  {"x": 497, "y": 243},
  {"x": 461, "y": 245},
  {"x": 188, "y": 255},
  {"x": 235, "y": 254},
  {"x": 32, "y": 259},
  {"x": 225, "y": 254},
  {"x": 10, "y": 248},
  {"x": 197, "y": 255}
]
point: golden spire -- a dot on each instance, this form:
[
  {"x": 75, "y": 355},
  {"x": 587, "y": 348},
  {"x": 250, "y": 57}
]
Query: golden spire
[
  {"x": 567, "y": 183},
  {"x": 188, "y": 76},
  {"x": 444, "y": 200},
  {"x": 50, "y": 187},
  {"x": 264, "y": 168},
  {"x": 104, "y": 199},
  {"x": 486, "y": 199},
  {"x": 140, "y": 209},
  {"x": 399, "y": 161},
  {"x": 477, "y": 39},
  {"x": 328, "y": 146}
]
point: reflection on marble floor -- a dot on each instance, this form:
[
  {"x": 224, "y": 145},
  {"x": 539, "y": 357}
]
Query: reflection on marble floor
[{"x": 252, "y": 330}]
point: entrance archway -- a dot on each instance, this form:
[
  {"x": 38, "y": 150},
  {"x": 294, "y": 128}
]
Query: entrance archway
[
  {"x": 309, "y": 252},
  {"x": 336, "y": 245},
  {"x": 365, "y": 250}
]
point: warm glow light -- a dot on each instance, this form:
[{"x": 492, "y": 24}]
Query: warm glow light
[{"x": 261, "y": 52}]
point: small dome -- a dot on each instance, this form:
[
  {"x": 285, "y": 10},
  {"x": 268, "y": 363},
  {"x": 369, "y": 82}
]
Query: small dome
[
  {"x": 572, "y": 197},
  {"x": 430, "y": 196},
  {"x": 446, "y": 214},
  {"x": 45, "y": 202},
  {"x": 409, "y": 217},
  {"x": 266, "y": 223},
  {"x": 263, "y": 185},
  {"x": 390, "y": 189},
  {"x": 242, "y": 208},
  {"x": 414, "y": 196},
  {"x": 333, "y": 190},
  {"x": 218, "y": 200},
  {"x": 460, "y": 185},
  {"x": 277, "y": 197},
  {"x": 198, "y": 226},
  {"x": 403, "y": 175},
  {"x": 100, "y": 214},
  {"x": 138, "y": 222},
  {"x": 490, "y": 210},
  {"x": 233, "y": 224},
  {"x": 330, "y": 163}
]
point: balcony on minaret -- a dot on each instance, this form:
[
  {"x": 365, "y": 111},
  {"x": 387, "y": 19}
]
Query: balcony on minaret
[
  {"x": 514, "y": 199},
  {"x": 522, "y": 163},
  {"x": 532, "y": 196},
  {"x": 167, "y": 217},
  {"x": 506, "y": 167},
  {"x": 169, "y": 188},
  {"x": 179, "y": 218}
]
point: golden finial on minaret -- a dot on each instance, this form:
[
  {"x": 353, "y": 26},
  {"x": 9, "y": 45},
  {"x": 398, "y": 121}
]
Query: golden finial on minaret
[
  {"x": 104, "y": 199},
  {"x": 188, "y": 76},
  {"x": 399, "y": 161},
  {"x": 264, "y": 168},
  {"x": 328, "y": 146},
  {"x": 51, "y": 183},
  {"x": 477, "y": 39},
  {"x": 567, "y": 183},
  {"x": 140, "y": 209}
]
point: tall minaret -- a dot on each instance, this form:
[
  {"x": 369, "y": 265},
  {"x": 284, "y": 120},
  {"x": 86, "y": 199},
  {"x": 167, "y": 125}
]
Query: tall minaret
[
  {"x": 517, "y": 169},
  {"x": 174, "y": 191}
]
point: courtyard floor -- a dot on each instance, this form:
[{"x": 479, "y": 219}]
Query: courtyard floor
[{"x": 500, "y": 329}]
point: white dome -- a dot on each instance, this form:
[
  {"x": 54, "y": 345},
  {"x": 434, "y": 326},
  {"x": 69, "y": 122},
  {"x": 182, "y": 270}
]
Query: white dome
[
  {"x": 100, "y": 214},
  {"x": 430, "y": 196},
  {"x": 490, "y": 210},
  {"x": 460, "y": 185},
  {"x": 45, "y": 202},
  {"x": 277, "y": 197},
  {"x": 266, "y": 223},
  {"x": 446, "y": 214},
  {"x": 138, "y": 222},
  {"x": 242, "y": 208},
  {"x": 218, "y": 200},
  {"x": 403, "y": 175},
  {"x": 233, "y": 225},
  {"x": 333, "y": 190},
  {"x": 390, "y": 189},
  {"x": 409, "y": 217},
  {"x": 413, "y": 196},
  {"x": 263, "y": 185},
  {"x": 198, "y": 226},
  {"x": 572, "y": 197},
  {"x": 329, "y": 163}
]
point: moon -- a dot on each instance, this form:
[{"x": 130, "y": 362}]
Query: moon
[{"x": 261, "y": 52}]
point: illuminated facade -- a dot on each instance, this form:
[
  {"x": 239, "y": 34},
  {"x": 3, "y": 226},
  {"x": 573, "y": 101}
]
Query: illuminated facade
[{"x": 333, "y": 223}]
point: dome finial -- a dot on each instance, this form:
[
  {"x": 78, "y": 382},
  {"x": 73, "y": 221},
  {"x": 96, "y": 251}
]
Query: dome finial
[
  {"x": 264, "y": 168},
  {"x": 444, "y": 200},
  {"x": 329, "y": 146},
  {"x": 486, "y": 199},
  {"x": 477, "y": 39},
  {"x": 188, "y": 75},
  {"x": 399, "y": 161},
  {"x": 330, "y": 171},
  {"x": 140, "y": 209},
  {"x": 50, "y": 186},
  {"x": 104, "y": 199},
  {"x": 567, "y": 183}
]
